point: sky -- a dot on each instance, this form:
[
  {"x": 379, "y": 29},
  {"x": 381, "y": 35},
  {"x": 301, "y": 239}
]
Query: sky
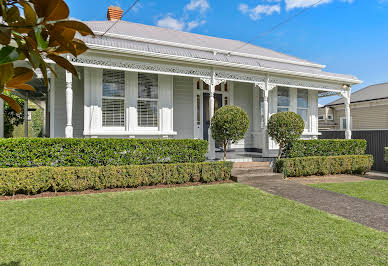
[{"x": 348, "y": 36}]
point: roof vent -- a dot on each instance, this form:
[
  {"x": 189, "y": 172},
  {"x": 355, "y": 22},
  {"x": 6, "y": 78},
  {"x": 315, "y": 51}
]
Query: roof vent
[{"x": 114, "y": 13}]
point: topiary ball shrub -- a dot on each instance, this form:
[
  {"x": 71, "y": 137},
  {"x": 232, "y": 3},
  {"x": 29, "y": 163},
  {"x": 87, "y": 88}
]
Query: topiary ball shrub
[
  {"x": 284, "y": 128},
  {"x": 229, "y": 125}
]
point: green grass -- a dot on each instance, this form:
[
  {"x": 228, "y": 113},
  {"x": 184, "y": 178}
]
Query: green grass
[
  {"x": 376, "y": 190},
  {"x": 214, "y": 224}
]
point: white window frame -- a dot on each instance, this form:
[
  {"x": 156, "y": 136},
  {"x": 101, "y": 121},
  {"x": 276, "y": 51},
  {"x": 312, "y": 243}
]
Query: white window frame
[
  {"x": 146, "y": 128},
  {"x": 330, "y": 117},
  {"x": 321, "y": 117},
  {"x": 114, "y": 128},
  {"x": 342, "y": 123}
]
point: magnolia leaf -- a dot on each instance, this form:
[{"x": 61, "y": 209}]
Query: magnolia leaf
[
  {"x": 51, "y": 9},
  {"x": 82, "y": 28},
  {"x": 21, "y": 76},
  {"x": 42, "y": 44},
  {"x": 43, "y": 69},
  {"x": 63, "y": 62},
  {"x": 8, "y": 54},
  {"x": 25, "y": 87},
  {"x": 35, "y": 59},
  {"x": 11, "y": 102},
  {"x": 5, "y": 35},
  {"x": 80, "y": 46},
  {"x": 29, "y": 14},
  {"x": 12, "y": 15},
  {"x": 6, "y": 73}
]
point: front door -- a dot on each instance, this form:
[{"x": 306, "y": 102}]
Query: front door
[{"x": 206, "y": 117}]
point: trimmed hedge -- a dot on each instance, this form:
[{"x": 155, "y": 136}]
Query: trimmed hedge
[
  {"x": 40, "y": 179},
  {"x": 33, "y": 152},
  {"x": 324, "y": 165},
  {"x": 386, "y": 154},
  {"x": 325, "y": 147}
]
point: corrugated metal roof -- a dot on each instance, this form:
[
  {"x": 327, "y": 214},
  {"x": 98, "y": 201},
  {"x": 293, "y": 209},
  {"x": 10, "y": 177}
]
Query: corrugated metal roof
[
  {"x": 373, "y": 92},
  {"x": 129, "y": 29}
]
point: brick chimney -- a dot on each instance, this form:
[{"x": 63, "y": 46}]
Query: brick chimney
[{"x": 114, "y": 13}]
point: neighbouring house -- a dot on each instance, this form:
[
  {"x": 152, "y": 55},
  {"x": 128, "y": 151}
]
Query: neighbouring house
[
  {"x": 369, "y": 110},
  {"x": 140, "y": 81}
]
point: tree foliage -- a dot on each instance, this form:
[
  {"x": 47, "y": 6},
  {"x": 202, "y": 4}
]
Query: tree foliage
[
  {"x": 12, "y": 118},
  {"x": 35, "y": 31},
  {"x": 229, "y": 125},
  {"x": 284, "y": 128}
]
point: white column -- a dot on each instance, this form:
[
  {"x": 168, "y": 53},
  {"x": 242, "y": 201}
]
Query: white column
[
  {"x": 346, "y": 96},
  {"x": 1, "y": 118},
  {"x": 213, "y": 82},
  {"x": 69, "y": 105}
]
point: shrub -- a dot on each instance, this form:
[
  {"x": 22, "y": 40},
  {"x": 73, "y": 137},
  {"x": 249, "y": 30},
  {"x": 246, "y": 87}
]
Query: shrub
[
  {"x": 40, "y": 179},
  {"x": 324, "y": 165},
  {"x": 386, "y": 154},
  {"x": 325, "y": 147},
  {"x": 229, "y": 125},
  {"x": 12, "y": 118},
  {"x": 284, "y": 128},
  {"x": 32, "y": 152}
]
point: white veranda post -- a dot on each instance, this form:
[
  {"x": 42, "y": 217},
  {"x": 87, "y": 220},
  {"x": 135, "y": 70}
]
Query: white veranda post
[
  {"x": 346, "y": 96},
  {"x": 69, "y": 105},
  {"x": 212, "y": 82}
]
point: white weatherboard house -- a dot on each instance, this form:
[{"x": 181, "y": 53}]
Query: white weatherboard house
[{"x": 140, "y": 81}]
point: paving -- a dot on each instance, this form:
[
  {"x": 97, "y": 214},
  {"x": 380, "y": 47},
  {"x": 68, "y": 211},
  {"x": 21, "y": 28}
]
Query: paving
[{"x": 260, "y": 175}]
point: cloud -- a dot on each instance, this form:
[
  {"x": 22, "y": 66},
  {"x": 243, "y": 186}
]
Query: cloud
[
  {"x": 202, "y": 5},
  {"x": 193, "y": 24},
  {"x": 257, "y": 12},
  {"x": 171, "y": 23},
  {"x": 186, "y": 22},
  {"x": 290, "y": 4}
]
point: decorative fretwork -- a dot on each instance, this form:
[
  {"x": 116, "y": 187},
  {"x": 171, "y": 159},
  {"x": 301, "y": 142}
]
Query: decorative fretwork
[
  {"x": 304, "y": 83},
  {"x": 205, "y": 74},
  {"x": 232, "y": 75},
  {"x": 141, "y": 66}
]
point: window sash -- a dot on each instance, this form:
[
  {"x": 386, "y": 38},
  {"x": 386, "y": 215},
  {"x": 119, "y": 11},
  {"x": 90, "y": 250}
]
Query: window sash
[
  {"x": 148, "y": 100},
  {"x": 113, "y": 98}
]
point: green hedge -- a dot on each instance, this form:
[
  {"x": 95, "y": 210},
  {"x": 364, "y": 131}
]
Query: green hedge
[
  {"x": 40, "y": 179},
  {"x": 325, "y": 147},
  {"x": 33, "y": 152},
  {"x": 386, "y": 154},
  {"x": 324, "y": 165}
]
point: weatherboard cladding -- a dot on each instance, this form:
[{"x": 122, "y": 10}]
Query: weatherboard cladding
[{"x": 160, "y": 34}]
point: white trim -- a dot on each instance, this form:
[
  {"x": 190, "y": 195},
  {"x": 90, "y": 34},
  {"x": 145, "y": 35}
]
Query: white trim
[
  {"x": 212, "y": 62},
  {"x": 52, "y": 105},
  {"x": 132, "y": 133},
  {"x": 208, "y": 49}
]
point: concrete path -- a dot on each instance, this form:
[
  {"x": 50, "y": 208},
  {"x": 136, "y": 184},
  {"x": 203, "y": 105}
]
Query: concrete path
[{"x": 365, "y": 212}]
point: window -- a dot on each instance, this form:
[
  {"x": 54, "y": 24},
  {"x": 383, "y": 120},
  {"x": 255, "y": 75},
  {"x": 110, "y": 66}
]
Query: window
[
  {"x": 344, "y": 123},
  {"x": 329, "y": 117},
  {"x": 261, "y": 101},
  {"x": 147, "y": 101},
  {"x": 198, "y": 109},
  {"x": 303, "y": 105},
  {"x": 320, "y": 117},
  {"x": 113, "y": 93},
  {"x": 283, "y": 99}
]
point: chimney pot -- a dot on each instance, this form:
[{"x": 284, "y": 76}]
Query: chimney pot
[{"x": 114, "y": 13}]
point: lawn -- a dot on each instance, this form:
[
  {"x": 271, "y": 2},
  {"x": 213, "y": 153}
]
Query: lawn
[
  {"x": 376, "y": 190},
  {"x": 213, "y": 224}
]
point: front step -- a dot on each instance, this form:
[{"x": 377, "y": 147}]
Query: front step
[
  {"x": 254, "y": 170},
  {"x": 251, "y": 164}
]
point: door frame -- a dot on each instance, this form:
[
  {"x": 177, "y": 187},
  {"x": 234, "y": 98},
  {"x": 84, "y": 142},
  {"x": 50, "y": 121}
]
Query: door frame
[{"x": 198, "y": 91}]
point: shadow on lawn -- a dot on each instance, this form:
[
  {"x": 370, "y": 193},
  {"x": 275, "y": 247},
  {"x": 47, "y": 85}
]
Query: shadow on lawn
[{"x": 12, "y": 263}]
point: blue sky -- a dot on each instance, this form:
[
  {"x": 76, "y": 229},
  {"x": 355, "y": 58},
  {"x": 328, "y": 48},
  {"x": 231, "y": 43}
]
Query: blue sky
[{"x": 348, "y": 36}]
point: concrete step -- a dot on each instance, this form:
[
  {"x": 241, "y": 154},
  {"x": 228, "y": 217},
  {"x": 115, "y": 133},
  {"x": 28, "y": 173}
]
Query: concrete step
[
  {"x": 253, "y": 177},
  {"x": 251, "y": 164},
  {"x": 254, "y": 171}
]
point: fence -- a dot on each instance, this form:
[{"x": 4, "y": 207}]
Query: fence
[{"x": 376, "y": 139}]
